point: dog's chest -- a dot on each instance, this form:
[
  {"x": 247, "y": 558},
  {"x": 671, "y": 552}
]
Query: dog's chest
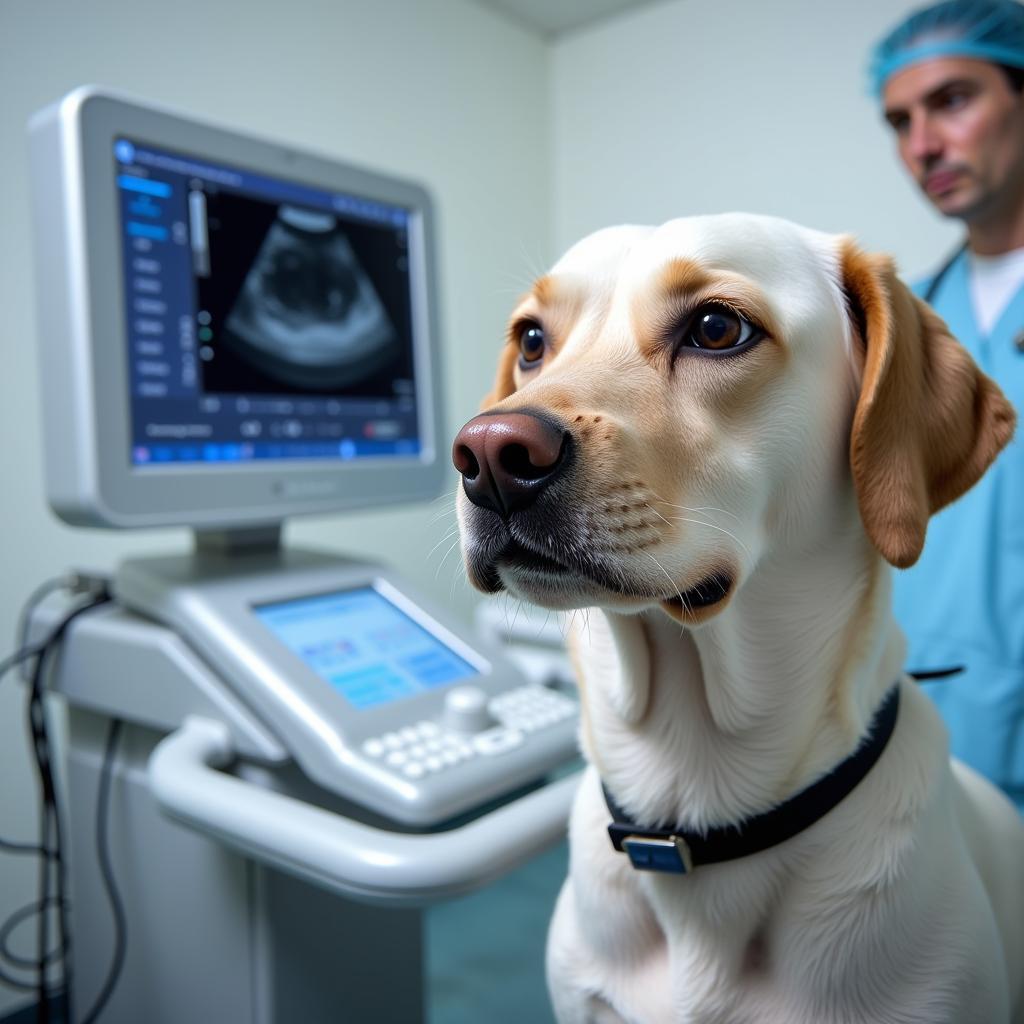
[{"x": 711, "y": 930}]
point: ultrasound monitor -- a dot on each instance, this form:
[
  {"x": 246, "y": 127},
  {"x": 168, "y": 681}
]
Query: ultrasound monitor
[{"x": 232, "y": 332}]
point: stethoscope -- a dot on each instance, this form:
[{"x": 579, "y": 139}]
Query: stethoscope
[{"x": 936, "y": 282}]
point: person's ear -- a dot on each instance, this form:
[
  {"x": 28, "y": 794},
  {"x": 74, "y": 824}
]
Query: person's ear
[{"x": 927, "y": 423}]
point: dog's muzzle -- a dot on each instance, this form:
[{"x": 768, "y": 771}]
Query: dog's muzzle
[{"x": 507, "y": 459}]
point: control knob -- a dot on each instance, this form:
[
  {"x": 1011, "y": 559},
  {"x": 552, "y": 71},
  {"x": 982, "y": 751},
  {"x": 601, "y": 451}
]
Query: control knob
[{"x": 465, "y": 709}]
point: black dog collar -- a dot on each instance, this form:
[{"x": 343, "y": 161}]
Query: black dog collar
[{"x": 679, "y": 850}]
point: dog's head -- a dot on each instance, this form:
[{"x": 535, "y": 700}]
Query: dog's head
[{"x": 675, "y": 404}]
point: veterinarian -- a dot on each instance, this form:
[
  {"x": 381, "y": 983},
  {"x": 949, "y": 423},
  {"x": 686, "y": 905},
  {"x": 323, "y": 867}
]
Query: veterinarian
[{"x": 950, "y": 79}]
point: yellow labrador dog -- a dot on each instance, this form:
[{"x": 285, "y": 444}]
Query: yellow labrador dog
[{"x": 717, "y": 435}]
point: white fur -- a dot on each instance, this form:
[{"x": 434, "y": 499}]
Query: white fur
[{"x": 903, "y": 905}]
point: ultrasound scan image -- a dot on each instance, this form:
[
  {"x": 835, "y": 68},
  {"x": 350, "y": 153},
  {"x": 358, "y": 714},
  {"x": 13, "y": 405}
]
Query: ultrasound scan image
[{"x": 307, "y": 313}]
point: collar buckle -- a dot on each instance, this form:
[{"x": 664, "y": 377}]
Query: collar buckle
[{"x": 670, "y": 854}]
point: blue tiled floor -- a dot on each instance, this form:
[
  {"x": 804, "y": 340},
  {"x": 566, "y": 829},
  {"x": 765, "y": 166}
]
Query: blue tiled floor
[{"x": 485, "y": 952}]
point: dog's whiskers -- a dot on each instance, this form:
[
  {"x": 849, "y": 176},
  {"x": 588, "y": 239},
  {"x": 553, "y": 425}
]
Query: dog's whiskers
[
  {"x": 442, "y": 514},
  {"x": 672, "y": 582},
  {"x": 701, "y": 508},
  {"x": 442, "y": 507},
  {"x": 506, "y": 614},
  {"x": 712, "y": 526},
  {"x": 675, "y": 586},
  {"x": 452, "y": 532},
  {"x": 515, "y": 617},
  {"x": 440, "y": 566},
  {"x": 543, "y": 625},
  {"x": 657, "y": 513},
  {"x": 457, "y": 578}
]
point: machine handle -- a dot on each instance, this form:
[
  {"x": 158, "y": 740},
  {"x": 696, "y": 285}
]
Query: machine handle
[{"x": 355, "y": 860}]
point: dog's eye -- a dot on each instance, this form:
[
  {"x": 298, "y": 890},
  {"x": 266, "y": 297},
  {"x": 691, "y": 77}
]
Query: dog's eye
[
  {"x": 531, "y": 342},
  {"x": 719, "y": 329}
]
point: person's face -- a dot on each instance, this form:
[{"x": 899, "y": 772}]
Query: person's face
[{"x": 959, "y": 127}]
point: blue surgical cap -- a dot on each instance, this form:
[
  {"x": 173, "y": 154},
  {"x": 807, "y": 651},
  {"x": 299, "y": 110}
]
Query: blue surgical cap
[{"x": 991, "y": 30}]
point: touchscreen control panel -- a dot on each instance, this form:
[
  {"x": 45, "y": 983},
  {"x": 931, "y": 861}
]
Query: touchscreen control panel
[
  {"x": 364, "y": 646},
  {"x": 379, "y": 695}
]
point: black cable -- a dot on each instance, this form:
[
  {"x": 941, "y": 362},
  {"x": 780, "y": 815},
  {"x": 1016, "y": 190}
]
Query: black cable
[
  {"x": 43, "y": 929},
  {"x": 103, "y": 856},
  {"x": 7, "y": 846},
  {"x": 50, "y": 836},
  {"x": 25, "y": 652},
  {"x": 51, "y": 852},
  {"x": 37, "y": 714},
  {"x": 22, "y": 914},
  {"x": 68, "y": 581},
  {"x": 75, "y": 583},
  {"x": 40, "y": 742},
  {"x": 19, "y": 656},
  {"x": 50, "y": 825},
  {"x": 25, "y": 913},
  {"x": 26, "y": 986}
]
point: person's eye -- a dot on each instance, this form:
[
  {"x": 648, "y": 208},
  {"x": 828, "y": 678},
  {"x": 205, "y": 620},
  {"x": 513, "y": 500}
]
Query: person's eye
[
  {"x": 717, "y": 328},
  {"x": 955, "y": 99},
  {"x": 531, "y": 343}
]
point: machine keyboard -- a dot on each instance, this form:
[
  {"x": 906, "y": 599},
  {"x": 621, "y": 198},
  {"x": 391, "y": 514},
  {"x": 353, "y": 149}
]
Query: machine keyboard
[
  {"x": 426, "y": 747},
  {"x": 531, "y": 707}
]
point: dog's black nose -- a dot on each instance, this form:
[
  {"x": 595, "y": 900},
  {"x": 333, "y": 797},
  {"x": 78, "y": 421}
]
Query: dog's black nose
[{"x": 507, "y": 459}]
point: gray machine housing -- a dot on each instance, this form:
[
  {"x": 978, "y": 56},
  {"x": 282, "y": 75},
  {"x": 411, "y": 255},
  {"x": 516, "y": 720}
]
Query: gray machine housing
[
  {"x": 84, "y": 349},
  {"x": 521, "y": 732},
  {"x": 320, "y": 939}
]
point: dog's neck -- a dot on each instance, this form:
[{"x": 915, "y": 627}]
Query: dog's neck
[{"x": 710, "y": 725}]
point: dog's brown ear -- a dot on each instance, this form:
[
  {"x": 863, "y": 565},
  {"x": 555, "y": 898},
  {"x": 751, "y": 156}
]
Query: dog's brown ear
[
  {"x": 505, "y": 381},
  {"x": 928, "y": 422}
]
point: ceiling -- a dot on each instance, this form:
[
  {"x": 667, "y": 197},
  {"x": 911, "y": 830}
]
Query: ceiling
[{"x": 555, "y": 17}]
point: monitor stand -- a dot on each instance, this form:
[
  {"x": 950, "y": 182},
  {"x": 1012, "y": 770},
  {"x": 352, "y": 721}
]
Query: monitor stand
[
  {"x": 239, "y": 540},
  {"x": 150, "y": 583}
]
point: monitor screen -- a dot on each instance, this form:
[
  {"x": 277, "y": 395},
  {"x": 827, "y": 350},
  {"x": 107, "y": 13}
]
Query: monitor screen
[
  {"x": 369, "y": 650},
  {"x": 266, "y": 319},
  {"x": 232, "y": 331}
]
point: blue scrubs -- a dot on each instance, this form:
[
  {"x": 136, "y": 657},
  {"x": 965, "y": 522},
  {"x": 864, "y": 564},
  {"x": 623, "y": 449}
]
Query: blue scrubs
[{"x": 963, "y": 602}]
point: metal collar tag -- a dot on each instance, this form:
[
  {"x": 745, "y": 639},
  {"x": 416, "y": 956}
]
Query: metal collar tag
[{"x": 671, "y": 855}]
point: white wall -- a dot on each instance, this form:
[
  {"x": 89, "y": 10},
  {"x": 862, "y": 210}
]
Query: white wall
[
  {"x": 444, "y": 92},
  {"x": 703, "y": 106}
]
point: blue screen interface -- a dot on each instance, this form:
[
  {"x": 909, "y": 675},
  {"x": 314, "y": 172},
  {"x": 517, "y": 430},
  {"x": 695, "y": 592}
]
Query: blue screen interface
[
  {"x": 266, "y": 319},
  {"x": 369, "y": 650}
]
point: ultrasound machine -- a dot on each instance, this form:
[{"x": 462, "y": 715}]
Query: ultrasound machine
[{"x": 234, "y": 333}]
